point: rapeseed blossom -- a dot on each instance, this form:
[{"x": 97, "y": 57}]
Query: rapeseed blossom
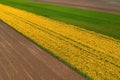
[{"x": 95, "y": 54}]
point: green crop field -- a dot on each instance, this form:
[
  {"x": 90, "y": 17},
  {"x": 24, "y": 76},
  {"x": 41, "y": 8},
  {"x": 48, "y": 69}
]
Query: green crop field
[{"x": 100, "y": 22}]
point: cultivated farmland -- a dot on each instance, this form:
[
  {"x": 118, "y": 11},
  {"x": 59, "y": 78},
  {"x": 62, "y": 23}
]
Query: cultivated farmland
[
  {"x": 112, "y": 6},
  {"x": 86, "y": 51},
  {"x": 20, "y": 62},
  {"x": 100, "y": 22}
]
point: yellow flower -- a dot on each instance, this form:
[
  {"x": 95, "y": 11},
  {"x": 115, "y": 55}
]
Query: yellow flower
[{"x": 95, "y": 54}]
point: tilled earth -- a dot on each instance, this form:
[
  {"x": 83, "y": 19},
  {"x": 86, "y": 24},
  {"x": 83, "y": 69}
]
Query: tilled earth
[
  {"x": 20, "y": 59},
  {"x": 112, "y": 6}
]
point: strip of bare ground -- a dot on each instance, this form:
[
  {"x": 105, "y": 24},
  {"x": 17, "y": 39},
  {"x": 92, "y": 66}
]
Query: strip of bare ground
[
  {"x": 112, "y": 6},
  {"x": 20, "y": 59}
]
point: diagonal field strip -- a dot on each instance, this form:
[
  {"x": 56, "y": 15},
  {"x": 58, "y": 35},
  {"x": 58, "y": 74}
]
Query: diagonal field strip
[
  {"x": 94, "y": 54},
  {"x": 99, "y": 5},
  {"x": 20, "y": 59}
]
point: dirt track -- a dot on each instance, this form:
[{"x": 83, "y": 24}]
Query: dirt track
[
  {"x": 112, "y": 6},
  {"x": 20, "y": 59}
]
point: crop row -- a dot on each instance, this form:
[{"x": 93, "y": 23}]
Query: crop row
[{"x": 94, "y": 54}]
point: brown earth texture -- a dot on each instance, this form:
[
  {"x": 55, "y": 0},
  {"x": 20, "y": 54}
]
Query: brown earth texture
[
  {"x": 112, "y": 6},
  {"x": 20, "y": 59}
]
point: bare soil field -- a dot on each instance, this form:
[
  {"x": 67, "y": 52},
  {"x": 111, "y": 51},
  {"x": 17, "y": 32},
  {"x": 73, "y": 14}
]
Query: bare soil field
[
  {"x": 112, "y": 6},
  {"x": 20, "y": 59}
]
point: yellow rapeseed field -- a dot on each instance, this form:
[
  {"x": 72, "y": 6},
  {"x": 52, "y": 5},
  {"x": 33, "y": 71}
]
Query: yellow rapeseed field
[{"x": 95, "y": 54}]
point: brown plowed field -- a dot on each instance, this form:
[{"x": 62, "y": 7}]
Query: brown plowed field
[
  {"x": 20, "y": 59},
  {"x": 112, "y": 6}
]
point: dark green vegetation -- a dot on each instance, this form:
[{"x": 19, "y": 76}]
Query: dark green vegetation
[{"x": 100, "y": 22}]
